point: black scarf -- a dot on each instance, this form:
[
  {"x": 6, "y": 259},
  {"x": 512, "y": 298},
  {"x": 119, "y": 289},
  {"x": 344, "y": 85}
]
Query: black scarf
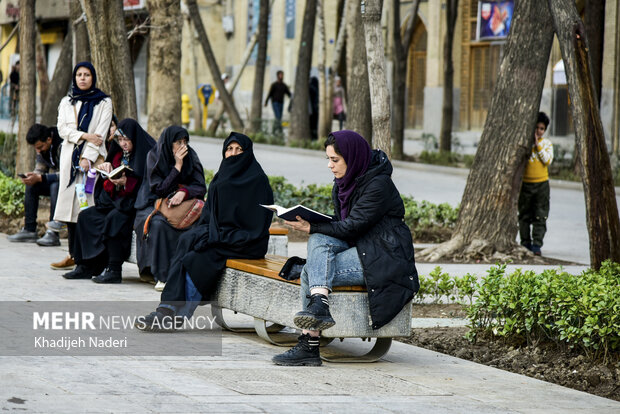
[
  {"x": 142, "y": 144},
  {"x": 160, "y": 162}
]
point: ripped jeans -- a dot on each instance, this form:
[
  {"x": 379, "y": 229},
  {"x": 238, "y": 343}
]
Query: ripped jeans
[{"x": 331, "y": 262}]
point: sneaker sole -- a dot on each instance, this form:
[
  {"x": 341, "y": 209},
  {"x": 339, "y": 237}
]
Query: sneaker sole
[
  {"x": 48, "y": 244},
  {"x": 24, "y": 241},
  {"x": 313, "y": 324},
  {"x": 62, "y": 268},
  {"x": 298, "y": 363}
]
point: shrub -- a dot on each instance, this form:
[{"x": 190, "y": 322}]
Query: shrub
[
  {"x": 579, "y": 312},
  {"x": 11, "y": 196}
]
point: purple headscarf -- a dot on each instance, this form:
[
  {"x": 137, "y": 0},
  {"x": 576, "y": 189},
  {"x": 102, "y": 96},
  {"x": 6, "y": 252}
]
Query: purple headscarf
[{"x": 357, "y": 154}]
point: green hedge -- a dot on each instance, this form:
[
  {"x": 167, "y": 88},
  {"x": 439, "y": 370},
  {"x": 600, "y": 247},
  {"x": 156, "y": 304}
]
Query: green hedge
[
  {"x": 11, "y": 196},
  {"x": 581, "y": 312}
]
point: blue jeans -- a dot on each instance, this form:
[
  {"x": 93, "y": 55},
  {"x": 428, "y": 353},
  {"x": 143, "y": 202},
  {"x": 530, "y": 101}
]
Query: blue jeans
[
  {"x": 192, "y": 300},
  {"x": 277, "y": 111},
  {"x": 331, "y": 262}
]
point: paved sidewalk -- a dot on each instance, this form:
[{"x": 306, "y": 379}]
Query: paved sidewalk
[{"x": 408, "y": 380}]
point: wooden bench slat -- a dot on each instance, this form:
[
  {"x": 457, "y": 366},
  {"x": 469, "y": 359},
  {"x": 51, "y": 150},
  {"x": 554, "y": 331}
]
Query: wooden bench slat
[
  {"x": 270, "y": 267},
  {"x": 278, "y": 231}
]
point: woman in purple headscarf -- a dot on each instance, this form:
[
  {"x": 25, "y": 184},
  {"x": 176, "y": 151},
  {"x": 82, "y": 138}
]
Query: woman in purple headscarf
[{"x": 367, "y": 243}]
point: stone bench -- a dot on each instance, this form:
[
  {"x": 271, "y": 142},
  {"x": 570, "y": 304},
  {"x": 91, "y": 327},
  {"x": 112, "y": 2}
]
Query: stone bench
[
  {"x": 278, "y": 243},
  {"x": 253, "y": 287}
]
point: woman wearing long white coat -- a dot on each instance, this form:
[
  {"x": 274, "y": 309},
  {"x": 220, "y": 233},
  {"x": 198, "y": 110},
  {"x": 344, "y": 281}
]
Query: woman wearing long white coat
[{"x": 83, "y": 121}]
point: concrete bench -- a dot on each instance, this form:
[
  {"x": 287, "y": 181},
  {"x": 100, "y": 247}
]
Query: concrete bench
[
  {"x": 253, "y": 287},
  {"x": 278, "y": 243}
]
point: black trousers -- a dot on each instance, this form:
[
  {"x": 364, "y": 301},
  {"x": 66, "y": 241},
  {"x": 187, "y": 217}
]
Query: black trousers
[
  {"x": 533, "y": 211},
  {"x": 48, "y": 188}
]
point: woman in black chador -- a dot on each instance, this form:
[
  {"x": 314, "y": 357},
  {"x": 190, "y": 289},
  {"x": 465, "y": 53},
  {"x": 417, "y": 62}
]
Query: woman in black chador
[
  {"x": 103, "y": 236},
  {"x": 173, "y": 170},
  {"x": 232, "y": 225}
]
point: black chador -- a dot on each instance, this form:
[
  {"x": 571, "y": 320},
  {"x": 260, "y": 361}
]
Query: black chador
[
  {"x": 163, "y": 180},
  {"x": 232, "y": 225},
  {"x": 103, "y": 232}
]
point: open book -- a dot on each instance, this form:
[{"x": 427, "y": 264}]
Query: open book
[
  {"x": 305, "y": 213},
  {"x": 115, "y": 173}
]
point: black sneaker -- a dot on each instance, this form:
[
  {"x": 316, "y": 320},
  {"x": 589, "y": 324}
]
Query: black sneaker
[
  {"x": 316, "y": 317},
  {"x": 23, "y": 236},
  {"x": 80, "y": 272},
  {"x": 305, "y": 353},
  {"x": 50, "y": 238},
  {"x": 108, "y": 276},
  {"x": 162, "y": 320}
]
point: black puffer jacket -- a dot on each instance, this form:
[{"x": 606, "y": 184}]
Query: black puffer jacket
[{"x": 375, "y": 226}]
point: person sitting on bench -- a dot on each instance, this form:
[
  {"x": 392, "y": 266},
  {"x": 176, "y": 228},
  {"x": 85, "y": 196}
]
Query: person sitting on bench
[
  {"x": 232, "y": 225},
  {"x": 103, "y": 236},
  {"x": 367, "y": 243},
  {"x": 173, "y": 171},
  {"x": 43, "y": 181}
]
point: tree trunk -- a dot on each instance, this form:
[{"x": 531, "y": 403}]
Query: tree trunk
[
  {"x": 80, "y": 47},
  {"x": 487, "y": 221},
  {"x": 164, "y": 79},
  {"x": 44, "y": 80},
  {"x": 61, "y": 80},
  {"x": 601, "y": 207},
  {"x": 359, "y": 117},
  {"x": 377, "y": 77},
  {"x": 110, "y": 54},
  {"x": 225, "y": 96},
  {"x": 27, "y": 85},
  {"x": 595, "y": 29},
  {"x": 325, "y": 126},
  {"x": 399, "y": 83},
  {"x": 445, "y": 136},
  {"x": 324, "y": 115},
  {"x": 256, "y": 112},
  {"x": 300, "y": 121}
]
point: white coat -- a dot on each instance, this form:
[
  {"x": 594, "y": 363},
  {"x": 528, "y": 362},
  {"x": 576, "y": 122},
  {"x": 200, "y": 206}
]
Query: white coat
[{"x": 67, "y": 206}]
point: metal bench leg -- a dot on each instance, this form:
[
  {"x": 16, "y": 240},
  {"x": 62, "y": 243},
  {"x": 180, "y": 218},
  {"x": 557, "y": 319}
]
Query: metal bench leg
[
  {"x": 260, "y": 326},
  {"x": 290, "y": 339},
  {"x": 381, "y": 347},
  {"x": 216, "y": 311}
]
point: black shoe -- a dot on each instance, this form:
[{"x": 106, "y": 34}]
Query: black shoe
[
  {"x": 80, "y": 272},
  {"x": 316, "y": 317},
  {"x": 306, "y": 352},
  {"x": 108, "y": 276},
  {"x": 23, "y": 236},
  {"x": 536, "y": 250},
  {"x": 50, "y": 238},
  {"x": 162, "y": 320}
]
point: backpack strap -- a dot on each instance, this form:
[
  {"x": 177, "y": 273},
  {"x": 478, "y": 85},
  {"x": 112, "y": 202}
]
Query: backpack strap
[{"x": 145, "y": 229}]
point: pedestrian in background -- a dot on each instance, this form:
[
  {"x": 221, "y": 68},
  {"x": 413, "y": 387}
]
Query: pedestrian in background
[
  {"x": 339, "y": 103},
  {"x": 276, "y": 93}
]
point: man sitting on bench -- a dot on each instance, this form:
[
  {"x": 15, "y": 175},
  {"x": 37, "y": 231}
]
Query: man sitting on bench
[{"x": 367, "y": 243}]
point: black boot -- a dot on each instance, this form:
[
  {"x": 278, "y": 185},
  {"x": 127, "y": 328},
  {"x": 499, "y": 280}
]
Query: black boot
[
  {"x": 316, "y": 317},
  {"x": 80, "y": 272},
  {"x": 306, "y": 352},
  {"x": 108, "y": 276}
]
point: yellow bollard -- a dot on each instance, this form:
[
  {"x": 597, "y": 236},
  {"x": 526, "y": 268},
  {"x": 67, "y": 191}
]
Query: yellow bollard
[
  {"x": 185, "y": 108},
  {"x": 206, "y": 95}
]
